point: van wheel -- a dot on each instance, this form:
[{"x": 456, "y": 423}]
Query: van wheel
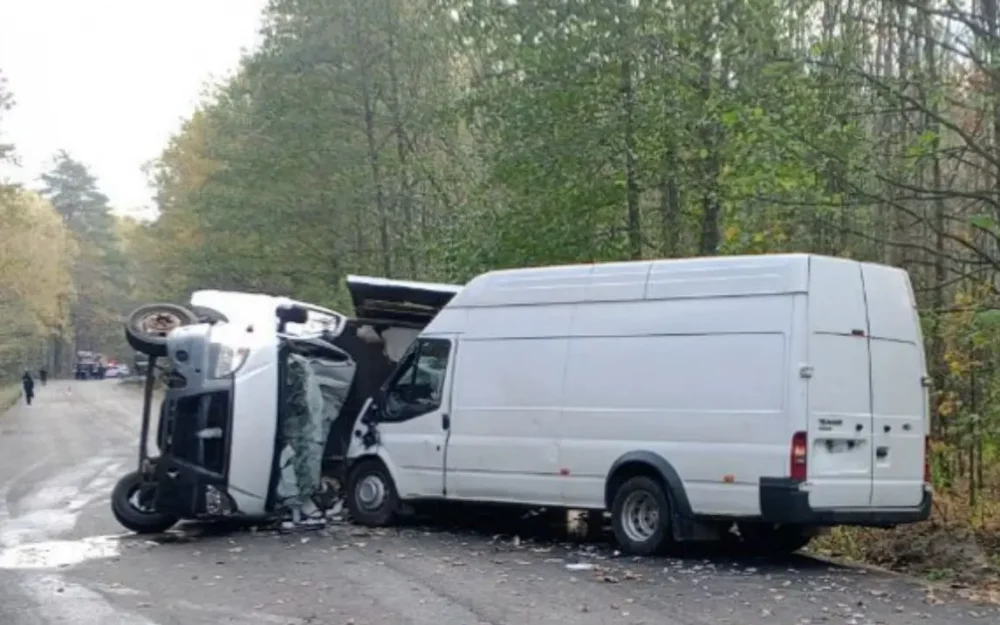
[
  {"x": 773, "y": 540},
  {"x": 147, "y": 327},
  {"x": 131, "y": 504},
  {"x": 371, "y": 495},
  {"x": 640, "y": 516}
]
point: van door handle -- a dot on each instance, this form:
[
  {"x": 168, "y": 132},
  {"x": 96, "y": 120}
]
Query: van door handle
[
  {"x": 445, "y": 421},
  {"x": 887, "y": 429}
]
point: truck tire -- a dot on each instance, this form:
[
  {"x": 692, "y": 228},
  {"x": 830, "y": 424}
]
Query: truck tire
[
  {"x": 371, "y": 495},
  {"x": 127, "y": 507},
  {"x": 147, "y": 327},
  {"x": 640, "y": 516}
]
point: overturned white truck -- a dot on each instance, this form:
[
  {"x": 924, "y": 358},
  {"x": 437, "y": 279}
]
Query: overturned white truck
[{"x": 259, "y": 391}]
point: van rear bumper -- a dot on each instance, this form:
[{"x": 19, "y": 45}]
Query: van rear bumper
[{"x": 783, "y": 501}]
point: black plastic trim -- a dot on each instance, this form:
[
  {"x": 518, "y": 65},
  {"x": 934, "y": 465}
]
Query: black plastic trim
[
  {"x": 782, "y": 501},
  {"x": 169, "y": 423},
  {"x": 183, "y": 495},
  {"x": 678, "y": 496}
]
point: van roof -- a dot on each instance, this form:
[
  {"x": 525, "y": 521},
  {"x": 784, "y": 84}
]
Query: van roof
[{"x": 716, "y": 276}]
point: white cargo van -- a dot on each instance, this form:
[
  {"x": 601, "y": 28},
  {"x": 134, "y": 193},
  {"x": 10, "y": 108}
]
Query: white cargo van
[{"x": 779, "y": 393}]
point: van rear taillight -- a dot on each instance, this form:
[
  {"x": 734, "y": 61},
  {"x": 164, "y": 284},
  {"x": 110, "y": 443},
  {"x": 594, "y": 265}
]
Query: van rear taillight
[
  {"x": 928, "y": 478},
  {"x": 799, "y": 456}
]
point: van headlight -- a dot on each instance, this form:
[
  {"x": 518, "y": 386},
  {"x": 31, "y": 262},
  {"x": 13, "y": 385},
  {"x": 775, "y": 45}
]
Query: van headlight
[{"x": 227, "y": 360}]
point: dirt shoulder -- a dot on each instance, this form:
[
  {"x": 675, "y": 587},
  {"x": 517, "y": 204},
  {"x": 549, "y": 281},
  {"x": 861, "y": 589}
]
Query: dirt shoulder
[{"x": 958, "y": 548}]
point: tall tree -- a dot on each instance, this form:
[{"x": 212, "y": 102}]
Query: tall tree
[
  {"x": 36, "y": 253},
  {"x": 99, "y": 271}
]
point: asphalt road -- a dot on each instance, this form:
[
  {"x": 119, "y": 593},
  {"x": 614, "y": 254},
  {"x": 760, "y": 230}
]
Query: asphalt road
[{"x": 63, "y": 559}]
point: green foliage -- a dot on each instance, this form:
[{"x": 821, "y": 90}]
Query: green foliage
[
  {"x": 435, "y": 139},
  {"x": 36, "y": 290},
  {"x": 100, "y": 269},
  {"x": 9, "y": 394}
]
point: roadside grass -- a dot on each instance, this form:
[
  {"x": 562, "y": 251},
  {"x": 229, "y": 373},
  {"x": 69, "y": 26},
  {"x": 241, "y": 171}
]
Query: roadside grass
[
  {"x": 959, "y": 545},
  {"x": 9, "y": 394}
]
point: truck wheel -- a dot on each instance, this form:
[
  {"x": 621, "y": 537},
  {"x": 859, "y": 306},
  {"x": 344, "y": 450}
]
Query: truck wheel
[
  {"x": 371, "y": 495},
  {"x": 147, "y": 327},
  {"x": 773, "y": 540},
  {"x": 132, "y": 506},
  {"x": 640, "y": 516}
]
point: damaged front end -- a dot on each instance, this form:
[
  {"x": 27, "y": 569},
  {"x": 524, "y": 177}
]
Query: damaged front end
[
  {"x": 262, "y": 398},
  {"x": 196, "y": 431}
]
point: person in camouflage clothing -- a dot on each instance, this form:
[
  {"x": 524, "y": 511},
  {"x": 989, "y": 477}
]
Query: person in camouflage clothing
[{"x": 316, "y": 390}]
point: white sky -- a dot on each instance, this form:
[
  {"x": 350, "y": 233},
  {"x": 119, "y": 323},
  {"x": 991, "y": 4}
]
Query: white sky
[{"x": 110, "y": 81}]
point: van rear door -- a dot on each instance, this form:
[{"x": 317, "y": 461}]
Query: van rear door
[
  {"x": 839, "y": 435},
  {"x": 899, "y": 393}
]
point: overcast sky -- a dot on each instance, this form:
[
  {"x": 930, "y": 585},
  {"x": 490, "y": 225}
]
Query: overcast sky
[{"x": 110, "y": 80}]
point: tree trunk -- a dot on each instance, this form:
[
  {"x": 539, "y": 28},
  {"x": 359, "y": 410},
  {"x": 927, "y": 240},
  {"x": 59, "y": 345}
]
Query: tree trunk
[
  {"x": 711, "y": 209},
  {"x": 369, "y": 103},
  {"x": 670, "y": 207},
  {"x": 405, "y": 183},
  {"x": 634, "y": 227}
]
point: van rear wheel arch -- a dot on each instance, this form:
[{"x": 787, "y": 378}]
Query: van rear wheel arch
[{"x": 649, "y": 464}]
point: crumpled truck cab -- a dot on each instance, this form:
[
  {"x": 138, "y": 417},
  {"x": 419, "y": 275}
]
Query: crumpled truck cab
[{"x": 246, "y": 383}]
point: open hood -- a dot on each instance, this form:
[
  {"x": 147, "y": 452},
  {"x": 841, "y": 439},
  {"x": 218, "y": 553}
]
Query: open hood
[{"x": 398, "y": 302}]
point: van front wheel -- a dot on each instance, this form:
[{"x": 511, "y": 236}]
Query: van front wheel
[
  {"x": 131, "y": 505},
  {"x": 640, "y": 516},
  {"x": 371, "y": 495}
]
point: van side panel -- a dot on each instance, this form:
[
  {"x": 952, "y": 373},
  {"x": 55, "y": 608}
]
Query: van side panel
[
  {"x": 506, "y": 405},
  {"x": 701, "y": 382},
  {"x": 900, "y": 403},
  {"x": 839, "y": 417}
]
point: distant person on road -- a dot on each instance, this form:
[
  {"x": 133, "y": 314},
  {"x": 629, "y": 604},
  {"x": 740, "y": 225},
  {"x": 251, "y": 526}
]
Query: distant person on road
[
  {"x": 29, "y": 387},
  {"x": 43, "y": 375}
]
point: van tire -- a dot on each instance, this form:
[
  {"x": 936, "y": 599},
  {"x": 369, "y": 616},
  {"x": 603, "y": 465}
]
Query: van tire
[
  {"x": 147, "y": 327},
  {"x": 138, "y": 520},
  {"x": 633, "y": 503},
  {"x": 773, "y": 540},
  {"x": 371, "y": 495}
]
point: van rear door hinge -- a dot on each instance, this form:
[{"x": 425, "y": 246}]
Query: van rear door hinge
[{"x": 805, "y": 371}]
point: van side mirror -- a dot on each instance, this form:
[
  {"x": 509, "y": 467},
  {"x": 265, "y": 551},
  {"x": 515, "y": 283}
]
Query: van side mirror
[{"x": 373, "y": 414}]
